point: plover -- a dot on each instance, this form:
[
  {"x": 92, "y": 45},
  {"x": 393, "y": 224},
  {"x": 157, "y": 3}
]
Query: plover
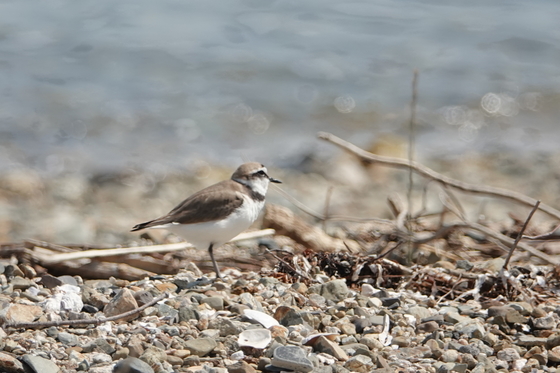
[{"x": 216, "y": 214}]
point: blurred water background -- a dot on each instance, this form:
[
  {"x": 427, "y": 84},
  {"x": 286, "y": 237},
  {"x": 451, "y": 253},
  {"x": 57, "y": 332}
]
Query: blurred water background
[{"x": 90, "y": 86}]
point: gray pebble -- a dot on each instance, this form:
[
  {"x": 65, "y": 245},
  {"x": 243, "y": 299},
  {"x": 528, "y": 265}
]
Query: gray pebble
[
  {"x": 132, "y": 365},
  {"x": 39, "y": 364},
  {"x": 104, "y": 346},
  {"x": 292, "y": 358},
  {"x": 67, "y": 339},
  {"x": 359, "y": 363},
  {"x": 216, "y": 303},
  {"x": 201, "y": 346}
]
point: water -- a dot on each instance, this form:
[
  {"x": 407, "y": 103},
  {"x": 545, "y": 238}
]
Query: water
[{"x": 109, "y": 86}]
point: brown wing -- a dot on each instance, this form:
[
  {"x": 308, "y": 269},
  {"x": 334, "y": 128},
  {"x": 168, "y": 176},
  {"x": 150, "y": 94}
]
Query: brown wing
[{"x": 212, "y": 203}]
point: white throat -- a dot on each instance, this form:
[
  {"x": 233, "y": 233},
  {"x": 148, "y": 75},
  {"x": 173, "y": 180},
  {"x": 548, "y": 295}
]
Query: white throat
[{"x": 259, "y": 185}]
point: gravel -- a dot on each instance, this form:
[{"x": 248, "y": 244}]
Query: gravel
[{"x": 202, "y": 326}]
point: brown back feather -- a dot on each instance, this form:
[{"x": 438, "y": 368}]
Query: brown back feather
[{"x": 219, "y": 199}]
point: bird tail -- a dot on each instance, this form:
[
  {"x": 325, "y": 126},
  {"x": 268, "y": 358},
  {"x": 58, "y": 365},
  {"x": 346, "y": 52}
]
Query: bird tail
[{"x": 141, "y": 226}]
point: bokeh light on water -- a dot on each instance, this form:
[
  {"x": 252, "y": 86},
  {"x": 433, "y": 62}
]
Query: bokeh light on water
[
  {"x": 132, "y": 82},
  {"x": 499, "y": 104},
  {"x": 468, "y": 121},
  {"x": 496, "y": 112},
  {"x": 345, "y": 104},
  {"x": 240, "y": 113},
  {"x": 258, "y": 123}
]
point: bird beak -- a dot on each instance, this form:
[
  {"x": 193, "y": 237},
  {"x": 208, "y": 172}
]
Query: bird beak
[{"x": 273, "y": 180}]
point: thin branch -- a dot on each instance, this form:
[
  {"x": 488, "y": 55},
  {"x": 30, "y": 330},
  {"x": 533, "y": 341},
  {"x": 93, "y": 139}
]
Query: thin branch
[
  {"x": 431, "y": 174},
  {"x": 411, "y": 143},
  {"x": 443, "y": 231},
  {"x": 48, "y": 324},
  {"x": 424, "y": 203},
  {"x": 327, "y": 206},
  {"x": 383, "y": 255},
  {"x": 502, "y": 239},
  {"x": 458, "y": 208},
  {"x": 302, "y": 207},
  {"x": 96, "y": 253},
  {"x": 459, "y": 280},
  {"x": 509, "y": 241},
  {"x": 397, "y": 206},
  {"x": 520, "y": 235},
  {"x": 411, "y": 139},
  {"x": 30, "y": 243},
  {"x": 552, "y": 235},
  {"x": 300, "y": 274}
]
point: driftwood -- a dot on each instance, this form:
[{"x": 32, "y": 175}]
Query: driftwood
[
  {"x": 97, "y": 269},
  {"x": 145, "y": 262},
  {"x": 286, "y": 223},
  {"x": 48, "y": 259},
  {"x": 129, "y": 263}
]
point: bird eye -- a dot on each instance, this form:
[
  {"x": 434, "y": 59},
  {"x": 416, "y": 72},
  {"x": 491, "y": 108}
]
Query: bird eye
[{"x": 261, "y": 172}]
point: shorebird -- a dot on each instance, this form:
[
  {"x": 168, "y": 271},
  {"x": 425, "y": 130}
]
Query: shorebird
[{"x": 213, "y": 216}]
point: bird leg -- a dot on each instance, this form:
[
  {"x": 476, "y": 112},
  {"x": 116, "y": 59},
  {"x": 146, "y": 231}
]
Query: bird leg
[{"x": 216, "y": 269}]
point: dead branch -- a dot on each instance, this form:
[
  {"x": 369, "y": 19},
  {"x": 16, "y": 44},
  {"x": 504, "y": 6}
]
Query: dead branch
[
  {"x": 286, "y": 223},
  {"x": 502, "y": 239},
  {"x": 454, "y": 205},
  {"x": 51, "y": 259},
  {"x": 431, "y": 174},
  {"x": 518, "y": 238},
  {"x": 145, "y": 262},
  {"x": 411, "y": 139},
  {"x": 509, "y": 242},
  {"x": 549, "y": 236},
  {"x": 30, "y": 243},
  {"x": 97, "y": 269},
  {"x": 48, "y": 324},
  {"x": 401, "y": 211},
  {"x": 299, "y": 273}
]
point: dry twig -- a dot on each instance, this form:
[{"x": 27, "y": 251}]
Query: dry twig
[
  {"x": 518, "y": 238},
  {"x": 411, "y": 139},
  {"x": 30, "y": 243},
  {"x": 509, "y": 242},
  {"x": 299, "y": 273},
  {"x": 550, "y": 236},
  {"x": 433, "y": 175}
]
